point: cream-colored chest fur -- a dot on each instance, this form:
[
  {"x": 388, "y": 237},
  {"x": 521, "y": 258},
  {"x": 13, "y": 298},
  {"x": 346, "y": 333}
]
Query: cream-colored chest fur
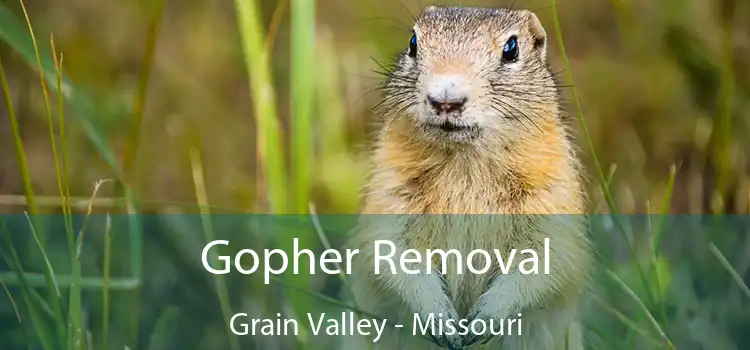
[{"x": 450, "y": 196}]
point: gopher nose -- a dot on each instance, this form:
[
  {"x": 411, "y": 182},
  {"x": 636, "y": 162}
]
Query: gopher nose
[
  {"x": 442, "y": 105},
  {"x": 447, "y": 93}
]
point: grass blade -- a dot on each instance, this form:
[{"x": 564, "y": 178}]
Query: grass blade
[
  {"x": 721, "y": 135},
  {"x": 12, "y": 259},
  {"x": 23, "y": 168},
  {"x": 656, "y": 241},
  {"x": 139, "y": 102},
  {"x": 63, "y": 172},
  {"x": 51, "y": 281},
  {"x": 302, "y": 94},
  {"x": 642, "y": 306},
  {"x": 13, "y": 32},
  {"x": 202, "y": 198},
  {"x": 724, "y": 262},
  {"x": 130, "y": 156},
  {"x": 627, "y": 321},
  {"x": 47, "y": 109},
  {"x": 77, "y": 332},
  {"x": 598, "y": 168},
  {"x": 610, "y": 177},
  {"x": 270, "y": 152},
  {"x": 659, "y": 231},
  {"x": 18, "y": 314},
  {"x": 273, "y": 27},
  {"x": 36, "y": 280},
  {"x": 579, "y": 112},
  {"x": 106, "y": 281},
  {"x": 303, "y": 38},
  {"x": 327, "y": 244}
]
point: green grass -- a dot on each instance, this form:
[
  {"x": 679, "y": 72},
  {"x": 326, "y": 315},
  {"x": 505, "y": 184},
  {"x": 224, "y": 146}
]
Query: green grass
[
  {"x": 106, "y": 284},
  {"x": 17, "y": 36},
  {"x": 202, "y": 199},
  {"x": 23, "y": 168},
  {"x": 297, "y": 161},
  {"x": 606, "y": 190},
  {"x": 51, "y": 73},
  {"x": 303, "y": 41},
  {"x": 43, "y": 331},
  {"x": 16, "y": 312},
  {"x": 268, "y": 129}
]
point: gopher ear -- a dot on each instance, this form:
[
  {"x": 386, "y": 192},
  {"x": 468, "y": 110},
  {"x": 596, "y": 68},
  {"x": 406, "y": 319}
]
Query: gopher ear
[{"x": 538, "y": 34}]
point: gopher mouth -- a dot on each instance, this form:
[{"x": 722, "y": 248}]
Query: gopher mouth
[{"x": 451, "y": 127}]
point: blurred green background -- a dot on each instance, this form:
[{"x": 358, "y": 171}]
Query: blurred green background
[{"x": 174, "y": 101}]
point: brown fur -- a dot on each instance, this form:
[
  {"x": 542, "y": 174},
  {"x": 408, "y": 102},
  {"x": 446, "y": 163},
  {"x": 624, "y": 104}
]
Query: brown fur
[{"x": 518, "y": 162}]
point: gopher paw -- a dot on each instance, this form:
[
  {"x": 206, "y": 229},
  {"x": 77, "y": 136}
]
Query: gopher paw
[
  {"x": 440, "y": 315},
  {"x": 488, "y": 309},
  {"x": 435, "y": 305}
]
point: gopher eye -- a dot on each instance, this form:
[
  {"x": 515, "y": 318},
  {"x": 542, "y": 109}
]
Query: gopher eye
[
  {"x": 510, "y": 50},
  {"x": 413, "y": 46}
]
